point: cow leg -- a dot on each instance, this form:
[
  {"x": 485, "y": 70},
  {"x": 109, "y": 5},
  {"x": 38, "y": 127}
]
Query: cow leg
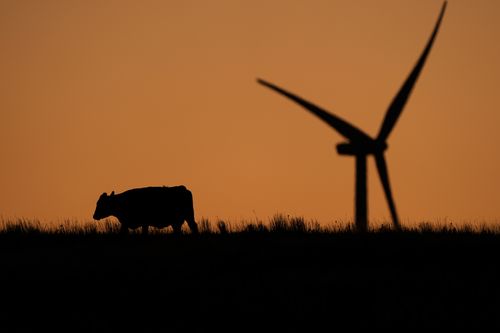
[
  {"x": 145, "y": 230},
  {"x": 193, "y": 226},
  {"x": 124, "y": 230},
  {"x": 177, "y": 229}
]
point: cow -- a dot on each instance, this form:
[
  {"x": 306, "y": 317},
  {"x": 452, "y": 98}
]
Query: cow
[{"x": 149, "y": 206}]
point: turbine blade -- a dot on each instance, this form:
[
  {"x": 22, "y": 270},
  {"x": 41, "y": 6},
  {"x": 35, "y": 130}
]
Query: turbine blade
[
  {"x": 401, "y": 98},
  {"x": 344, "y": 128},
  {"x": 384, "y": 178}
]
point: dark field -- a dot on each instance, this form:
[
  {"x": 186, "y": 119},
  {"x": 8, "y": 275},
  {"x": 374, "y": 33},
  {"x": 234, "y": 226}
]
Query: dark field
[{"x": 288, "y": 277}]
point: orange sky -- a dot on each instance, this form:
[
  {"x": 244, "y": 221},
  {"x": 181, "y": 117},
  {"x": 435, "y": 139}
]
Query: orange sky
[{"x": 109, "y": 95}]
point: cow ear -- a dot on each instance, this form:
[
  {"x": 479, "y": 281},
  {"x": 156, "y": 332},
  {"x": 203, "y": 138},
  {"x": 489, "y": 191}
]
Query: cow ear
[
  {"x": 112, "y": 193},
  {"x": 104, "y": 195}
]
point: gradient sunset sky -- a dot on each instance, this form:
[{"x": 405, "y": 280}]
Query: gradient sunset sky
[{"x": 110, "y": 95}]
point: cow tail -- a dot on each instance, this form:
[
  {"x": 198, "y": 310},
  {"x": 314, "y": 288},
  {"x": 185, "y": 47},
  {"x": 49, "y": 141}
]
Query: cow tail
[{"x": 190, "y": 213}]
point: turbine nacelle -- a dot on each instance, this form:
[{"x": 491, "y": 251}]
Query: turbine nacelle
[{"x": 365, "y": 148}]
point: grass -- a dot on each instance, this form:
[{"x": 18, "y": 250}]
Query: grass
[
  {"x": 278, "y": 224},
  {"x": 285, "y": 274}
]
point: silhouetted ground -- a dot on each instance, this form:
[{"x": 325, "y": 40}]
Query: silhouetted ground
[{"x": 284, "y": 281}]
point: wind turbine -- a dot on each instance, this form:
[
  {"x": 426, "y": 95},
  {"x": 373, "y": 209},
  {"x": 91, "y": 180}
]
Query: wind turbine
[{"x": 359, "y": 144}]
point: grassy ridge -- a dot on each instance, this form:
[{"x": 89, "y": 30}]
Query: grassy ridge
[
  {"x": 286, "y": 275},
  {"x": 279, "y": 223}
]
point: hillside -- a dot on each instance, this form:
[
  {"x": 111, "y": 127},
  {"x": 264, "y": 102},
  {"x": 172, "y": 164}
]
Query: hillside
[{"x": 287, "y": 279}]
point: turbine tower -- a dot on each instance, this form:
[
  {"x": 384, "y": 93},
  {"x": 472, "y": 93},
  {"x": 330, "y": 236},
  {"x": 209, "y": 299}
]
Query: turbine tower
[{"x": 359, "y": 144}]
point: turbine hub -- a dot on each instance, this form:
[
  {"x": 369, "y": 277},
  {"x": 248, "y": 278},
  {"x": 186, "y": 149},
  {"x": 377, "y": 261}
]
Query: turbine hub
[{"x": 357, "y": 148}]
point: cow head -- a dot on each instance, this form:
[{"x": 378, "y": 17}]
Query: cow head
[{"x": 104, "y": 206}]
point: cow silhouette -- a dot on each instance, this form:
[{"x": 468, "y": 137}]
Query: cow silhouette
[{"x": 158, "y": 207}]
